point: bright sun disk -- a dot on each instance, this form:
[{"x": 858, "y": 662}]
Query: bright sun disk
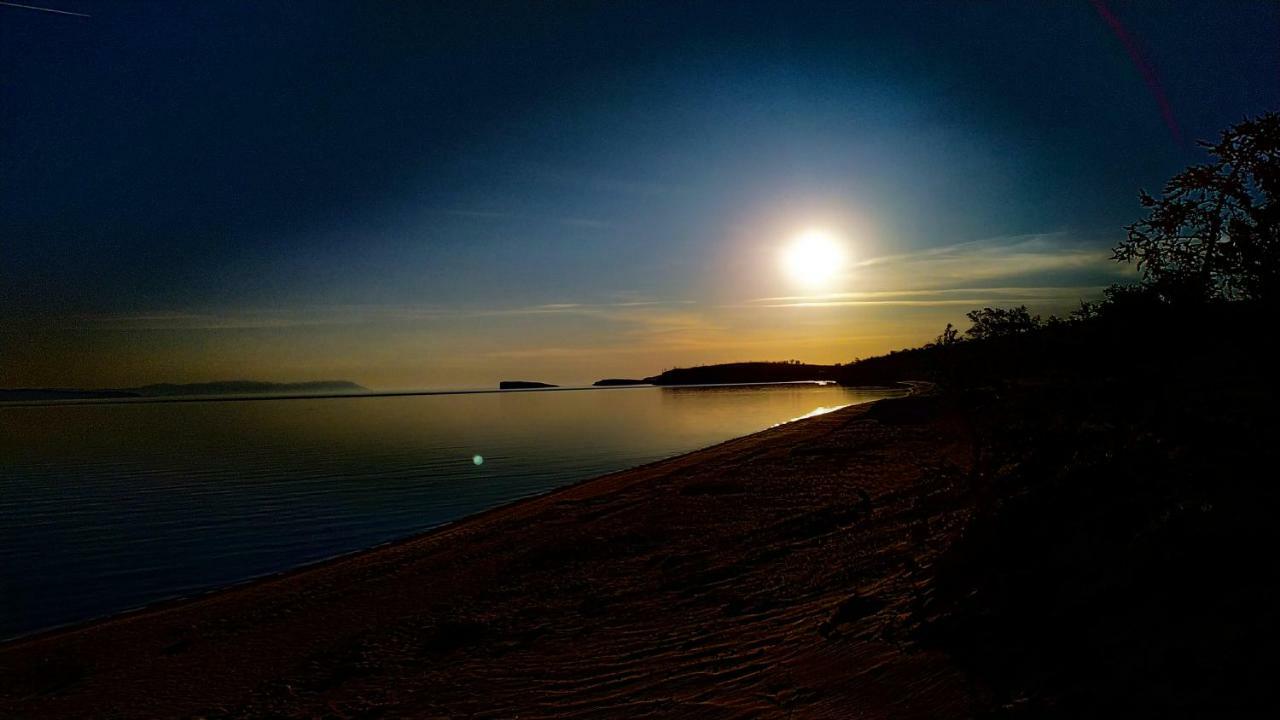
[{"x": 813, "y": 258}]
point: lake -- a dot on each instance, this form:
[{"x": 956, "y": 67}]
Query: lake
[{"x": 111, "y": 506}]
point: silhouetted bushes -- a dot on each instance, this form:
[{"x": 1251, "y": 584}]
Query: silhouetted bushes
[
  {"x": 1121, "y": 555},
  {"x": 1120, "y": 560}
]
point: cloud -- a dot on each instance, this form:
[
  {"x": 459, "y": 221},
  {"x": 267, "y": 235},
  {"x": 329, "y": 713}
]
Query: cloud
[
  {"x": 586, "y": 223},
  {"x": 972, "y": 297},
  {"x": 334, "y": 315},
  {"x": 995, "y": 258},
  {"x": 1007, "y": 269},
  {"x": 606, "y": 310},
  {"x": 578, "y": 178},
  {"x": 888, "y": 302},
  {"x": 248, "y": 319}
]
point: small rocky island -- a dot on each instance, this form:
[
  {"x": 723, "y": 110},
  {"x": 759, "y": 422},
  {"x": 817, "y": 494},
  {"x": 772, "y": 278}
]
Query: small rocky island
[{"x": 522, "y": 385}]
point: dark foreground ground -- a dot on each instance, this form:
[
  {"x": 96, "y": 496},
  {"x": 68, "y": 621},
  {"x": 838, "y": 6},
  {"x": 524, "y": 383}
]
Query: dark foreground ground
[{"x": 1050, "y": 549}]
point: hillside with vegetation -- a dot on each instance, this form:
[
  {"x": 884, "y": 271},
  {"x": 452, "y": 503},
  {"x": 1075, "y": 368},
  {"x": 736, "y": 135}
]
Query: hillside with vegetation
[{"x": 1121, "y": 556}]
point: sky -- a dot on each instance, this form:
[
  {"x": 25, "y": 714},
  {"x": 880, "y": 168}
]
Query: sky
[{"x": 413, "y": 195}]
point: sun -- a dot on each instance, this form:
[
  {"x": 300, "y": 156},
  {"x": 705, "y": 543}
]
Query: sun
[{"x": 813, "y": 258}]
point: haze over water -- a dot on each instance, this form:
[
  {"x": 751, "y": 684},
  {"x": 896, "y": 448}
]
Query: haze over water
[{"x": 111, "y": 506}]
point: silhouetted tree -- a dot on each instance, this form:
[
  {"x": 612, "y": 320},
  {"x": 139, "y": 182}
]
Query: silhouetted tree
[
  {"x": 1214, "y": 232},
  {"x": 1086, "y": 312},
  {"x": 1000, "y": 322},
  {"x": 950, "y": 336}
]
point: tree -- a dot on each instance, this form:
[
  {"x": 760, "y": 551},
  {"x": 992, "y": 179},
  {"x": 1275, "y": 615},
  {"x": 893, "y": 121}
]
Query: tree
[
  {"x": 1000, "y": 322},
  {"x": 1086, "y": 312},
  {"x": 950, "y": 336},
  {"x": 1215, "y": 232}
]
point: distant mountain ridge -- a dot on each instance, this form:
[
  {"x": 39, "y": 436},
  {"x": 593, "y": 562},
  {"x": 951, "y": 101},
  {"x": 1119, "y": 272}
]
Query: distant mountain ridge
[{"x": 223, "y": 387}]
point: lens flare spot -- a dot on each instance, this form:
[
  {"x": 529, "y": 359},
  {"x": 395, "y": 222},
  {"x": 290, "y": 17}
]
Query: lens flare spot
[{"x": 477, "y": 459}]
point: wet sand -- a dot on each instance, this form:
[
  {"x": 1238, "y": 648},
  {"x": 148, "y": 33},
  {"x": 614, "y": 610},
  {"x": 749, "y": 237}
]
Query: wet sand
[{"x": 775, "y": 575}]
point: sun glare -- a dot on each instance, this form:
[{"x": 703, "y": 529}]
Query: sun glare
[{"x": 813, "y": 258}]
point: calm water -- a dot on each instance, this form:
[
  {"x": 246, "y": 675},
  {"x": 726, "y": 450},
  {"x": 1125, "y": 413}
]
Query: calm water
[{"x": 112, "y": 506}]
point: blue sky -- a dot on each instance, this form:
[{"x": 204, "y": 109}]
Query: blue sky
[{"x": 446, "y": 194}]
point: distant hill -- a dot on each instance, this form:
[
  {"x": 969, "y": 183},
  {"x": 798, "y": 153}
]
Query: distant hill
[
  {"x": 613, "y": 382},
  {"x": 745, "y": 372},
  {"x": 226, "y": 387}
]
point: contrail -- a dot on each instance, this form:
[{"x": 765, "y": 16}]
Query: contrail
[
  {"x": 1148, "y": 72},
  {"x": 42, "y": 9}
]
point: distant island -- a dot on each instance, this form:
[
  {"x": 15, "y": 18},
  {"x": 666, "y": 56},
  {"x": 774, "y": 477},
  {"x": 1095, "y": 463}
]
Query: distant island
[
  {"x": 883, "y": 370},
  {"x": 617, "y": 382},
  {"x": 224, "y": 387},
  {"x": 523, "y": 385},
  {"x": 745, "y": 372}
]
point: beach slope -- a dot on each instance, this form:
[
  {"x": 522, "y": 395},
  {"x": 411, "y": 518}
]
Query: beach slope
[{"x": 769, "y": 576}]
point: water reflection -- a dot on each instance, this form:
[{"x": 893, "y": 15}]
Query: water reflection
[{"x": 107, "y": 507}]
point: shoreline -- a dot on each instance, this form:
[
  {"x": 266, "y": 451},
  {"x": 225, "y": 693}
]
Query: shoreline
[
  {"x": 911, "y": 388},
  {"x": 68, "y": 402},
  {"x": 261, "y": 608}
]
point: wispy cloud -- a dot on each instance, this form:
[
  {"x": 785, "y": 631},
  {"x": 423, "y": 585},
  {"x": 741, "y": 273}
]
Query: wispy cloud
[
  {"x": 638, "y": 330},
  {"x": 572, "y": 221},
  {"x": 990, "y": 259},
  {"x": 600, "y": 309},
  {"x": 972, "y": 297},
  {"x": 601, "y": 182},
  {"x": 248, "y": 319},
  {"x": 1001, "y": 269},
  {"x": 888, "y": 302},
  {"x": 322, "y": 315}
]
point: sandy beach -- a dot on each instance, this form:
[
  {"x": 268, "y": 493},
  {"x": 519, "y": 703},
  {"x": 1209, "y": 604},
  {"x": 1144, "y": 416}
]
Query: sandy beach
[
  {"x": 861, "y": 360},
  {"x": 775, "y": 575}
]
